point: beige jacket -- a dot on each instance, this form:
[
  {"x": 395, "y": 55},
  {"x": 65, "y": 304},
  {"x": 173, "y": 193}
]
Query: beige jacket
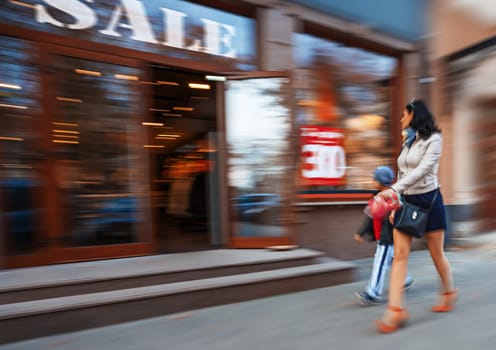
[{"x": 418, "y": 166}]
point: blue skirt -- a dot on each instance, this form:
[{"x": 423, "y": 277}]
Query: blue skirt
[{"x": 437, "y": 216}]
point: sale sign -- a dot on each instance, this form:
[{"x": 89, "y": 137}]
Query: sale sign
[{"x": 323, "y": 156}]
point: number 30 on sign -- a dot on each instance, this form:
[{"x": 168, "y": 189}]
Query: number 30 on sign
[{"x": 323, "y": 156}]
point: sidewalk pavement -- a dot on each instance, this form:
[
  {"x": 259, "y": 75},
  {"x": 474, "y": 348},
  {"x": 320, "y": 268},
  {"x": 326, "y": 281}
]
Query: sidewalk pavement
[{"x": 326, "y": 318}]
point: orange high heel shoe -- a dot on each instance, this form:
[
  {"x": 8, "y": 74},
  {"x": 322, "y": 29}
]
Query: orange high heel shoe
[
  {"x": 398, "y": 319},
  {"x": 448, "y": 302}
]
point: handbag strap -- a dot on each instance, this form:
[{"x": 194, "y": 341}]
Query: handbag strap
[{"x": 433, "y": 199}]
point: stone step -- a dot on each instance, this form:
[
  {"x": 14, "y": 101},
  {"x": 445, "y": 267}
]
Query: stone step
[
  {"x": 37, "y": 318},
  {"x": 44, "y": 282}
]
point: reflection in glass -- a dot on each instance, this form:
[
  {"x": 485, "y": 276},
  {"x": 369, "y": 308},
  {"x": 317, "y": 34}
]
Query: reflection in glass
[
  {"x": 350, "y": 89},
  {"x": 258, "y": 128},
  {"x": 19, "y": 178},
  {"x": 92, "y": 133}
]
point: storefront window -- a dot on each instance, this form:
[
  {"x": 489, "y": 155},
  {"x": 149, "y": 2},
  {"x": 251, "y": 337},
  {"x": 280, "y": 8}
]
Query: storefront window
[
  {"x": 19, "y": 141},
  {"x": 93, "y": 130},
  {"x": 343, "y": 98}
]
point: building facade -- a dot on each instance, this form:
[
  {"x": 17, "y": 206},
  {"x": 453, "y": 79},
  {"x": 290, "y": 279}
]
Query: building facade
[
  {"x": 132, "y": 127},
  {"x": 462, "y": 50}
]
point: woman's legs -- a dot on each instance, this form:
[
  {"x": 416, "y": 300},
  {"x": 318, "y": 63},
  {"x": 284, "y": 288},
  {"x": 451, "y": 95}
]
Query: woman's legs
[
  {"x": 395, "y": 314},
  {"x": 399, "y": 269},
  {"x": 435, "y": 242}
]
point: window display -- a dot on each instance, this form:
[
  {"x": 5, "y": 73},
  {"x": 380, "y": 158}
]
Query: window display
[{"x": 346, "y": 89}]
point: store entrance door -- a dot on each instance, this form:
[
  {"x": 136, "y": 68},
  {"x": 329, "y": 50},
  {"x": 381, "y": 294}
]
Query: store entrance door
[
  {"x": 222, "y": 160},
  {"x": 261, "y": 160},
  {"x": 183, "y": 156}
]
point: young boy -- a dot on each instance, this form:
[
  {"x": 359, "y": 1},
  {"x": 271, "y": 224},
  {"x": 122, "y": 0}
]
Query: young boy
[{"x": 381, "y": 231}]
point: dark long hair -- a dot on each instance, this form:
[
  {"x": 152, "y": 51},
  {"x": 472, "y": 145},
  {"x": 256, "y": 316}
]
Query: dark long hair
[{"x": 423, "y": 121}]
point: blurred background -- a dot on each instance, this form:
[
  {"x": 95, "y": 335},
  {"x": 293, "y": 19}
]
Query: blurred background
[
  {"x": 172, "y": 134},
  {"x": 137, "y": 128}
]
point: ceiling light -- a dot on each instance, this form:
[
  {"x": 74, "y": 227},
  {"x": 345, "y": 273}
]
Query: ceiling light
[
  {"x": 215, "y": 77},
  {"x": 171, "y": 83},
  {"x": 66, "y": 136},
  {"x": 5, "y": 138},
  {"x": 65, "y": 124},
  {"x": 66, "y": 141},
  {"x": 172, "y": 115},
  {"x": 187, "y": 109},
  {"x": 10, "y": 86},
  {"x": 168, "y": 135},
  {"x": 65, "y": 131},
  {"x": 159, "y": 110},
  {"x": 126, "y": 77},
  {"x": 199, "y": 86},
  {"x": 88, "y": 72},
  {"x": 67, "y": 99},
  {"x": 152, "y": 124},
  {"x": 154, "y": 146},
  {"x": 12, "y": 106}
]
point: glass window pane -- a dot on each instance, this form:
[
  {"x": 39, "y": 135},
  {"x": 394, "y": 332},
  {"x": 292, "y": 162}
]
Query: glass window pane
[
  {"x": 19, "y": 140},
  {"x": 344, "y": 90},
  {"x": 92, "y": 134},
  {"x": 258, "y": 140}
]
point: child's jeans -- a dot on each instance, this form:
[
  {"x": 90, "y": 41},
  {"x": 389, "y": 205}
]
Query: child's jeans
[{"x": 383, "y": 257}]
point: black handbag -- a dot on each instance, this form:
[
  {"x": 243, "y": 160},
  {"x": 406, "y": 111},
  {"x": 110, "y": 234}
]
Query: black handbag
[{"x": 412, "y": 219}]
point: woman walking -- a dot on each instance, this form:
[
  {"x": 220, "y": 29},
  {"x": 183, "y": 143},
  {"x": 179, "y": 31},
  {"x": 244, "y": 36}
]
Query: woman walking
[{"x": 417, "y": 182}]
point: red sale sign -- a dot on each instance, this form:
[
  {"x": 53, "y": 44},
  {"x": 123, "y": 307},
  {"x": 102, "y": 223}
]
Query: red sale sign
[{"x": 323, "y": 156}]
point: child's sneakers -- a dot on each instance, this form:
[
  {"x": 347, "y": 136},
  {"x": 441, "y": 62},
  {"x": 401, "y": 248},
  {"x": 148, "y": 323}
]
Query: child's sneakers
[
  {"x": 366, "y": 300},
  {"x": 409, "y": 283}
]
